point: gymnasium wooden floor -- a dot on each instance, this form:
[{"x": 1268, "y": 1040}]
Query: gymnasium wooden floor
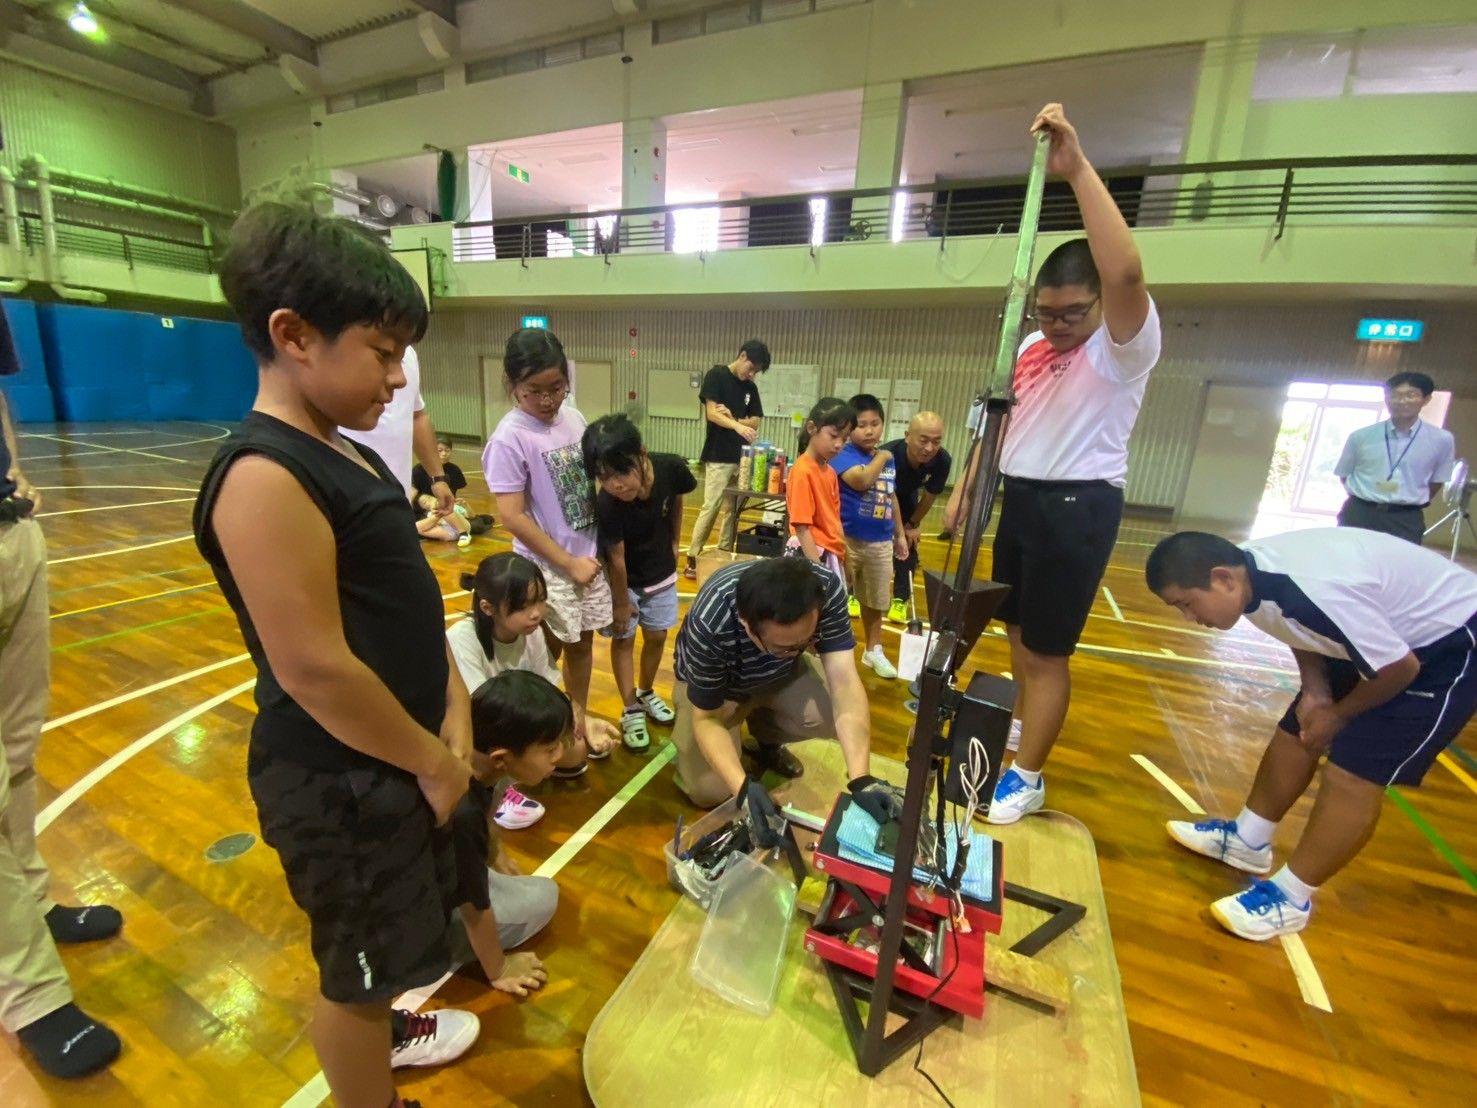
[{"x": 143, "y": 769}]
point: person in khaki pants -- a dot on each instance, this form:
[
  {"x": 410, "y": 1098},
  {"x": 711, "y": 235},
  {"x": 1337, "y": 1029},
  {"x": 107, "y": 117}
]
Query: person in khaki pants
[
  {"x": 35, "y": 996},
  {"x": 769, "y": 644},
  {"x": 731, "y": 415}
]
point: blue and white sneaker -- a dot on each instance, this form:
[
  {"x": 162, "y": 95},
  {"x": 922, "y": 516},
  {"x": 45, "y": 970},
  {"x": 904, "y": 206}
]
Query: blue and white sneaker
[
  {"x": 1262, "y": 912},
  {"x": 1217, "y": 839},
  {"x": 1014, "y": 798}
]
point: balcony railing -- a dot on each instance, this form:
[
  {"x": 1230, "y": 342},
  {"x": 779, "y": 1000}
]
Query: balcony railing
[{"x": 1277, "y": 193}]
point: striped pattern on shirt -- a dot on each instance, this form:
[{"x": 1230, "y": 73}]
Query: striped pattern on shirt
[{"x": 717, "y": 659}]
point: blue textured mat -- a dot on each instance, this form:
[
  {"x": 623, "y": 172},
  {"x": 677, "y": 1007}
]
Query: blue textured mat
[{"x": 856, "y": 839}]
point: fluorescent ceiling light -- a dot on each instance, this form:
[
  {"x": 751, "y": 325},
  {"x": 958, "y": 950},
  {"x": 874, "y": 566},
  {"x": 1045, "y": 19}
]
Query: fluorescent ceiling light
[
  {"x": 82, "y": 20},
  {"x": 825, "y": 128}
]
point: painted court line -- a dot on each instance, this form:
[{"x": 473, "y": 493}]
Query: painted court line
[
  {"x": 147, "y": 690},
  {"x": 1117, "y": 611},
  {"x": 49, "y": 814},
  {"x": 97, "y": 446},
  {"x": 1440, "y": 845},
  {"x": 116, "y": 507},
  {"x": 132, "y": 599},
  {"x": 1460, "y": 774},
  {"x": 1170, "y": 784},
  {"x": 120, "y": 550},
  {"x": 315, "y": 1091},
  {"x": 89, "y": 488},
  {"x": 1304, "y": 972}
]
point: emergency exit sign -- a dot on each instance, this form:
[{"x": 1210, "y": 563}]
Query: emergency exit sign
[
  {"x": 540, "y": 322},
  {"x": 1390, "y": 330},
  {"x": 517, "y": 174}
]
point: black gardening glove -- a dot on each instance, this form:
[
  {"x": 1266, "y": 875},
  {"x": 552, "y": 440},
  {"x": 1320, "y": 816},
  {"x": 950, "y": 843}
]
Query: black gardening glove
[
  {"x": 755, "y": 803},
  {"x": 877, "y": 798}
]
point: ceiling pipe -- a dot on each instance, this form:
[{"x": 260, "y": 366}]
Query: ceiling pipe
[
  {"x": 108, "y": 186},
  {"x": 12, "y": 231},
  {"x": 39, "y": 172}
]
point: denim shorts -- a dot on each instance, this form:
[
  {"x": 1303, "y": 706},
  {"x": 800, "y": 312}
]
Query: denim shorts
[{"x": 653, "y": 611}]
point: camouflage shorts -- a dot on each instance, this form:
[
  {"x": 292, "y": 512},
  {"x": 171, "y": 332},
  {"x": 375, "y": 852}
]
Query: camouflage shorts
[{"x": 365, "y": 862}]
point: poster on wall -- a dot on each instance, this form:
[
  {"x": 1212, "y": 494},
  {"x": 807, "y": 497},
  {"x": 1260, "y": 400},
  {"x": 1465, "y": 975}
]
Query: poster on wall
[
  {"x": 790, "y": 391},
  {"x": 907, "y": 397}
]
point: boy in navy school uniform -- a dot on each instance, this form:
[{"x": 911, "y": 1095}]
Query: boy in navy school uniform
[{"x": 1384, "y": 634}]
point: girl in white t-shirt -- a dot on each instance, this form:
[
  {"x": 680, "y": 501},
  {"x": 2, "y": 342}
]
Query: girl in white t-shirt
[{"x": 505, "y": 632}]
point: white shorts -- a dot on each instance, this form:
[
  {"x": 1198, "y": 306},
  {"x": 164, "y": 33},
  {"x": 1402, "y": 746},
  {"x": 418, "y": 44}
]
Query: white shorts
[{"x": 574, "y": 609}]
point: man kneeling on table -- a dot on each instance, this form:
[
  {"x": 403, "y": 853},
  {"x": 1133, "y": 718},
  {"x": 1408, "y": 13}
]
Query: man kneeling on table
[{"x": 769, "y": 644}]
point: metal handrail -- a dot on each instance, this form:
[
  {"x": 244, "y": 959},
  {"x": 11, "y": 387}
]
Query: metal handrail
[{"x": 1188, "y": 169}]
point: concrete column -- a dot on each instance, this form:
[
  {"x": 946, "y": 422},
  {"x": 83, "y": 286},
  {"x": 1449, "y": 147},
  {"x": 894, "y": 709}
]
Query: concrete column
[
  {"x": 644, "y": 179},
  {"x": 1217, "y": 129},
  {"x": 879, "y": 149}
]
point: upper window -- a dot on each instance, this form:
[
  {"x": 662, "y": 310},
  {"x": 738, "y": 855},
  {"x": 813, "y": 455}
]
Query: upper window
[{"x": 1382, "y": 62}]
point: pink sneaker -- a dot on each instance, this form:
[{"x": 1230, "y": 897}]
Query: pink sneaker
[{"x": 517, "y": 811}]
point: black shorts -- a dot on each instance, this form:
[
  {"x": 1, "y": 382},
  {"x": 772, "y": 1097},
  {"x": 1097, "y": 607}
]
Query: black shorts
[
  {"x": 1052, "y": 549},
  {"x": 1396, "y": 742},
  {"x": 365, "y": 861}
]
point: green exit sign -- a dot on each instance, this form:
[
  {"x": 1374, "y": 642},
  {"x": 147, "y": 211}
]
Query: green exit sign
[
  {"x": 536, "y": 322},
  {"x": 1391, "y": 330},
  {"x": 517, "y": 174}
]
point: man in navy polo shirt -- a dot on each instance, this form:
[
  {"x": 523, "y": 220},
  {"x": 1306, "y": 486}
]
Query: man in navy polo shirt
[
  {"x": 1384, "y": 634},
  {"x": 769, "y": 643}
]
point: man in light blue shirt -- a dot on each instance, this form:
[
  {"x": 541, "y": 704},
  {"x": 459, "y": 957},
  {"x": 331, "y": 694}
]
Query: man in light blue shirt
[{"x": 1394, "y": 468}]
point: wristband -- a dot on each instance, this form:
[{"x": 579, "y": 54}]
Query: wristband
[{"x": 440, "y": 477}]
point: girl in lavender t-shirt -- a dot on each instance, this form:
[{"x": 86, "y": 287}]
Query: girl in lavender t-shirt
[{"x": 535, "y": 468}]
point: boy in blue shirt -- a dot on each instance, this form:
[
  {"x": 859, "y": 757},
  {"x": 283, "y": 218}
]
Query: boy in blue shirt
[
  {"x": 872, "y": 523},
  {"x": 1385, "y": 637}
]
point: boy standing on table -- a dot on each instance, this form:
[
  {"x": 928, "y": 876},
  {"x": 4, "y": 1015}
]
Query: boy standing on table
[
  {"x": 1079, "y": 382},
  {"x": 1385, "y": 638},
  {"x": 872, "y": 523}
]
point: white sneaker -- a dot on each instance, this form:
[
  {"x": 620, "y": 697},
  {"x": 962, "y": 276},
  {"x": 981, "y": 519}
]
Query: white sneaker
[
  {"x": 1014, "y": 742},
  {"x": 877, "y": 662},
  {"x": 1015, "y": 799},
  {"x": 517, "y": 811},
  {"x": 655, "y": 707},
  {"x": 1217, "y": 838},
  {"x": 1261, "y": 912},
  {"x": 434, "y": 1038}
]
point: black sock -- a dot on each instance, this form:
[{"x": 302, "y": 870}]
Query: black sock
[
  {"x": 83, "y": 925},
  {"x": 398, "y": 1023},
  {"x": 69, "y": 1042}
]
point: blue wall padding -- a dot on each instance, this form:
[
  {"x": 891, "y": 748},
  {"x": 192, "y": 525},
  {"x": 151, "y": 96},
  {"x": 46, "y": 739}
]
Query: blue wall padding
[
  {"x": 28, "y": 392},
  {"x": 106, "y": 364}
]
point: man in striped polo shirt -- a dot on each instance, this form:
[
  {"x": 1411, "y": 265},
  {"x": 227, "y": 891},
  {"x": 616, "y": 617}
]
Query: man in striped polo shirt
[{"x": 769, "y": 643}]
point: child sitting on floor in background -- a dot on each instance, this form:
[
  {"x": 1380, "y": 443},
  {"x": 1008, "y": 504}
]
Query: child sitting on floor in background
[
  {"x": 505, "y": 632},
  {"x": 812, "y": 492},
  {"x": 872, "y": 523},
  {"x": 639, "y": 515},
  {"x": 521, "y": 725},
  {"x": 452, "y": 527},
  {"x": 456, "y": 480}
]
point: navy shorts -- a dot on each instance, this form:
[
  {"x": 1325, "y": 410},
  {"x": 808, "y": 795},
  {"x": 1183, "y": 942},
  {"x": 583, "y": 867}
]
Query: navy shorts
[
  {"x": 1052, "y": 548},
  {"x": 1395, "y": 743},
  {"x": 365, "y": 861}
]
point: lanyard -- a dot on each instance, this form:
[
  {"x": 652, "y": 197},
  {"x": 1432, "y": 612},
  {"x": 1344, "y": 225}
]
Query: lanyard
[{"x": 1395, "y": 462}]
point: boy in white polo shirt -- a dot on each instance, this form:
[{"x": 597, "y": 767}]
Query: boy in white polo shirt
[
  {"x": 1079, "y": 381},
  {"x": 1384, "y": 634}
]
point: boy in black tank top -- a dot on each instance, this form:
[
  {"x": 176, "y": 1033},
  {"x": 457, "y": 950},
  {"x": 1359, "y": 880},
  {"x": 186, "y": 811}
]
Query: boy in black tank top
[{"x": 363, "y": 724}]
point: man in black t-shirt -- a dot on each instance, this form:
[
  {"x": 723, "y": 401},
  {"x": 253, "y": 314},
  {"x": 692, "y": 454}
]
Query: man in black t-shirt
[
  {"x": 922, "y": 472},
  {"x": 638, "y": 515},
  {"x": 732, "y": 411}
]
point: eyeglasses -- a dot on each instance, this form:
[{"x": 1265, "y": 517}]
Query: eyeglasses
[
  {"x": 1071, "y": 315},
  {"x": 558, "y": 392},
  {"x": 791, "y": 651}
]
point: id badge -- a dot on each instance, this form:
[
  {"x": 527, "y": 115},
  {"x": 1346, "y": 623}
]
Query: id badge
[{"x": 1389, "y": 488}]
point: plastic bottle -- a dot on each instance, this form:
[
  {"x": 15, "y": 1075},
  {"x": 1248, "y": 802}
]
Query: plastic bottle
[
  {"x": 760, "y": 481},
  {"x": 746, "y": 467},
  {"x": 781, "y": 466}
]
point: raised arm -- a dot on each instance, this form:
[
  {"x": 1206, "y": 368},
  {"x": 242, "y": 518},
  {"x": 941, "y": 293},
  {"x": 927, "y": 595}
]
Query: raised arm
[{"x": 1125, "y": 297}]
